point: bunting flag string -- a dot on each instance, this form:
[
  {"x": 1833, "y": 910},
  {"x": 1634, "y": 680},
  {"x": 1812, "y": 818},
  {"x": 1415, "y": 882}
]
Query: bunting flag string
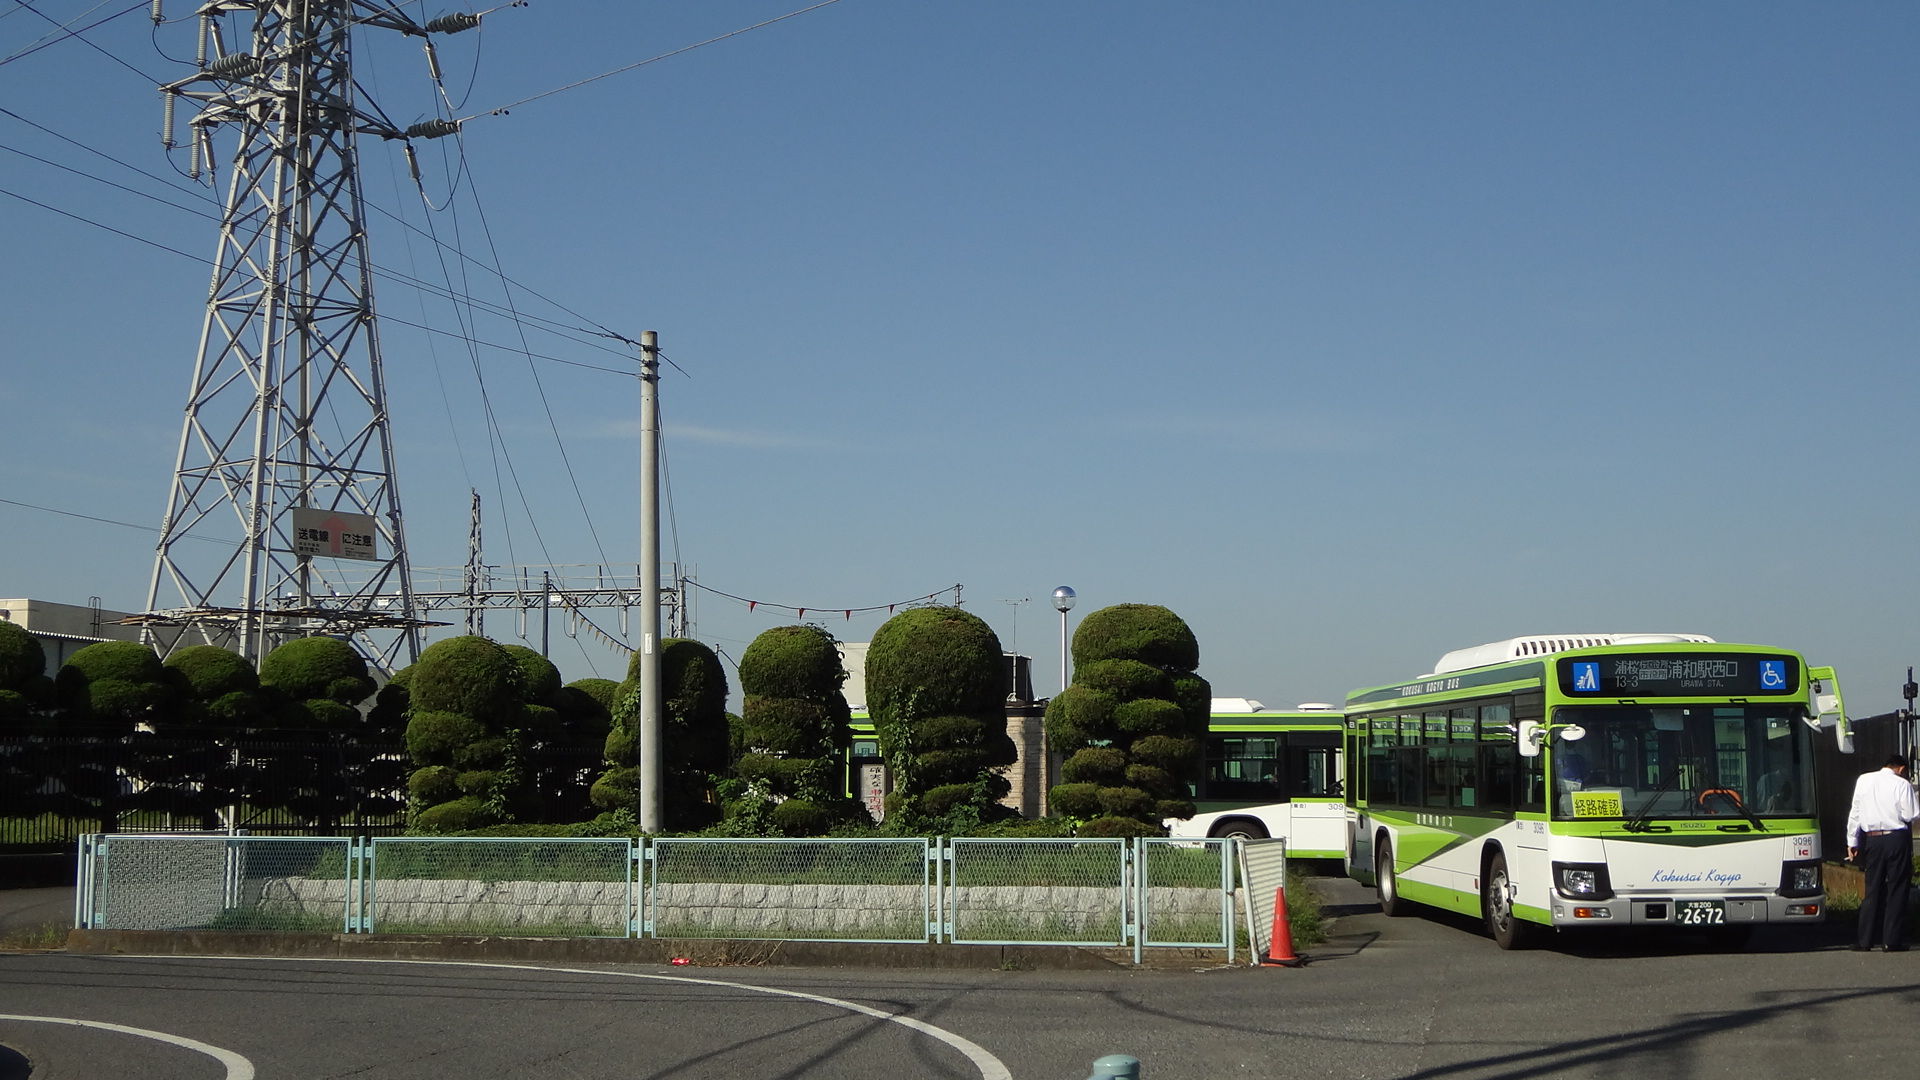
[{"x": 846, "y": 613}]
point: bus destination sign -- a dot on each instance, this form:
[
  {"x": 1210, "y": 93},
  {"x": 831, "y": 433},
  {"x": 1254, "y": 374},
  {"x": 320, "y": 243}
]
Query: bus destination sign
[{"x": 1679, "y": 676}]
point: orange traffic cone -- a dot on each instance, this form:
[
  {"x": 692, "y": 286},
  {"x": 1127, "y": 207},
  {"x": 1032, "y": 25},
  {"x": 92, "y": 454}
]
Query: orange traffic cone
[{"x": 1280, "y": 942}]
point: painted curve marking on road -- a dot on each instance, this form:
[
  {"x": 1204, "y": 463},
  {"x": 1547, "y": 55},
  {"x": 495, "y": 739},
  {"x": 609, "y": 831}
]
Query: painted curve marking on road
[
  {"x": 991, "y": 1068},
  {"x": 238, "y": 1068}
]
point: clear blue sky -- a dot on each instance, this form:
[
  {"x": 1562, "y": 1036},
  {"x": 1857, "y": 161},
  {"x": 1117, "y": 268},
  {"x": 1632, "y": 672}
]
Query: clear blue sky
[{"x": 1353, "y": 333}]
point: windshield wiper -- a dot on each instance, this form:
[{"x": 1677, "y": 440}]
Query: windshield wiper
[
  {"x": 1727, "y": 795},
  {"x": 1638, "y": 822}
]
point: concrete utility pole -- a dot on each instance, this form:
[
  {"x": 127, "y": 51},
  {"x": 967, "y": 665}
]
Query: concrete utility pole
[{"x": 650, "y": 771}]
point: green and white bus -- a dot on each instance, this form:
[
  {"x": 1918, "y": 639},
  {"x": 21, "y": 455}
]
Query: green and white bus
[
  {"x": 1271, "y": 772},
  {"x": 1593, "y": 780}
]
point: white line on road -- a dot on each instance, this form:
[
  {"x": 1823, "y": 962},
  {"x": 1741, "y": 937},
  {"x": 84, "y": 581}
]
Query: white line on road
[
  {"x": 991, "y": 1068},
  {"x": 238, "y": 1068}
]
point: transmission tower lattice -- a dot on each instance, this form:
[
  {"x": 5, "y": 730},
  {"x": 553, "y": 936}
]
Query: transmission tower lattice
[{"x": 287, "y": 446}]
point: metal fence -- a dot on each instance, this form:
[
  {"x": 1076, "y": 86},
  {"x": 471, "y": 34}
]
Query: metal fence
[{"x": 1094, "y": 892}]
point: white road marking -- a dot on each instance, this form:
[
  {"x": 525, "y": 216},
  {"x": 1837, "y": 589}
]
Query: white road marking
[
  {"x": 238, "y": 1068},
  {"x": 991, "y": 1068}
]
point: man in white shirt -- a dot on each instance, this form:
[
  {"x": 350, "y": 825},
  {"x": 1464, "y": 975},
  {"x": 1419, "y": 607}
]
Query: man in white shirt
[{"x": 1880, "y": 836}]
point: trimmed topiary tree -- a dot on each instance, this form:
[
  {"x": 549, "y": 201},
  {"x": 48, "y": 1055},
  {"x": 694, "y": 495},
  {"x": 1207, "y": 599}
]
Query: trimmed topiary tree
[
  {"x": 323, "y": 766},
  {"x": 693, "y": 738},
  {"x": 463, "y": 734},
  {"x": 936, "y": 689},
  {"x": 24, "y": 686},
  {"x": 794, "y": 734},
  {"x": 1132, "y": 725}
]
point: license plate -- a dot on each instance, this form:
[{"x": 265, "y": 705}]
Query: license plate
[{"x": 1700, "y": 912}]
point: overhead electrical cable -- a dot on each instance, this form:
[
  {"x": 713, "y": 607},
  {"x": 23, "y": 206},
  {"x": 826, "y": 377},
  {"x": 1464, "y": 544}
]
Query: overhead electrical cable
[
  {"x": 831, "y": 609},
  {"x": 61, "y": 33},
  {"x": 650, "y": 60}
]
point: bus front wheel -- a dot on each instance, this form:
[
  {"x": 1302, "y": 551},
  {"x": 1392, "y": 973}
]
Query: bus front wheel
[
  {"x": 1392, "y": 904},
  {"x": 1507, "y": 929}
]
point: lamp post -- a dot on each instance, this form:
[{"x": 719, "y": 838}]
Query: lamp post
[{"x": 1063, "y": 598}]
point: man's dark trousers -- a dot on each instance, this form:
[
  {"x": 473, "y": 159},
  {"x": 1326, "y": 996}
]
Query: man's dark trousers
[{"x": 1888, "y": 862}]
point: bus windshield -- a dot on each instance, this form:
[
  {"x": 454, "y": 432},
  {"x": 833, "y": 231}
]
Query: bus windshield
[{"x": 1732, "y": 762}]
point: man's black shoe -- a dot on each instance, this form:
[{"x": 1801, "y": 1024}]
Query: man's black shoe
[{"x": 1896, "y": 948}]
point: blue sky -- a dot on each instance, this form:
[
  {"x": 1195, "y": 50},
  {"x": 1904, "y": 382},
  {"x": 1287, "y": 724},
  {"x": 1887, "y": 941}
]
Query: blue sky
[{"x": 1353, "y": 333}]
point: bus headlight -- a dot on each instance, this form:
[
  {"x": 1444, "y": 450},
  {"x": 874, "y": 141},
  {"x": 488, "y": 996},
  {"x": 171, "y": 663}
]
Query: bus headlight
[
  {"x": 1582, "y": 881},
  {"x": 1800, "y": 877}
]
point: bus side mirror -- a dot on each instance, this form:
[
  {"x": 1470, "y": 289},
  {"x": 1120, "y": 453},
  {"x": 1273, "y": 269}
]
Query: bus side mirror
[{"x": 1532, "y": 734}]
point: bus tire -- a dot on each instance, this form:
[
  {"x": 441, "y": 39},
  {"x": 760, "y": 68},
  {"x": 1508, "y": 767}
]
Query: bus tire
[
  {"x": 1508, "y": 929},
  {"x": 1392, "y": 904},
  {"x": 1239, "y": 829}
]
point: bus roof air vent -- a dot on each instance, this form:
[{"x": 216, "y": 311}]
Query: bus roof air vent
[{"x": 1520, "y": 648}]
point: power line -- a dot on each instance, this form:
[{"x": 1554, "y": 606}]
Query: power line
[
  {"x": 650, "y": 60},
  {"x": 62, "y": 33}
]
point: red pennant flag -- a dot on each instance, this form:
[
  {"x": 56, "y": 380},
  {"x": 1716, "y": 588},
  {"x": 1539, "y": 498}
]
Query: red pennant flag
[
  {"x": 803, "y": 613},
  {"x": 849, "y": 614},
  {"x": 751, "y": 604}
]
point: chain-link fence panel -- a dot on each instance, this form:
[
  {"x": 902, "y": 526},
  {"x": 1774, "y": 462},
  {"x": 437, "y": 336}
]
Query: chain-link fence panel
[
  {"x": 1186, "y": 893},
  {"x": 215, "y": 882},
  {"x": 790, "y": 890},
  {"x": 1037, "y": 892},
  {"x": 501, "y": 887}
]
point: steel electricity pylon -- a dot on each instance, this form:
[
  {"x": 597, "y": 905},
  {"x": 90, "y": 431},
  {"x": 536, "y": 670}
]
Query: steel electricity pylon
[{"x": 286, "y": 452}]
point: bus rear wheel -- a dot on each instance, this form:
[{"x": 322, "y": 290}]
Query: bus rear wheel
[
  {"x": 1239, "y": 829},
  {"x": 1507, "y": 929},
  {"x": 1392, "y": 904}
]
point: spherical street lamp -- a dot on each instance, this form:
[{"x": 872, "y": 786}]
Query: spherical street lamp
[{"x": 1063, "y": 598}]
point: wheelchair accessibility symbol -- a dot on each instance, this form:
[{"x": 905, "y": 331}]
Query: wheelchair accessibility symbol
[{"x": 1773, "y": 674}]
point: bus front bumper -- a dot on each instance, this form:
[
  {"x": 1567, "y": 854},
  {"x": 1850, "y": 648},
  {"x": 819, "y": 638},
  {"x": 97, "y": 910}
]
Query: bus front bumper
[{"x": 1689, "y": 912}]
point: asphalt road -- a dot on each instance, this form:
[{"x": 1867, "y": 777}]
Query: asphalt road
[{"x": 1404, "y": 998}]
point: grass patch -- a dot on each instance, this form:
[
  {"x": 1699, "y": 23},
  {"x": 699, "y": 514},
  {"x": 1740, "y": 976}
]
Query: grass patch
[
  {"x": 43, "y": 938},
  {"x": 1305, "y": 919}
]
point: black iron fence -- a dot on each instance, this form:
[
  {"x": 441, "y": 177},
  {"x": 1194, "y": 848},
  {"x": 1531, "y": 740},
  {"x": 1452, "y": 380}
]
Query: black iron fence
[{"x": 56, "y": 789}]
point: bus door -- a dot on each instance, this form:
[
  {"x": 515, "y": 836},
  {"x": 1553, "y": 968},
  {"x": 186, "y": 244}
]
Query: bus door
[{"x": 1359, "y": 831}]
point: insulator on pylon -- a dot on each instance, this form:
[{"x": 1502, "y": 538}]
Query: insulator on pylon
[
  {"x": 234, "y": 66},
  {"x": 433, "y": 129},
  {"x": 156, "y": 12},
  {"x": 453, "y": 24},
  {"x": 166, "y": 117}
]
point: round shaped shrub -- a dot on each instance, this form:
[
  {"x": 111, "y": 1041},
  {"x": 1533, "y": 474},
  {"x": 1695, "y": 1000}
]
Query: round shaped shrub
[
  {"x": 469, "y": 675},
  {"x": 1122, "y": 827},
  {"x": 1124, "y": 679},
  {"x": 945, "y": 799},
  {"x": 1150, "y": 716},
  {"x": 240, "y": 708},
  {"x": 1095, "y": 765},
  {"x": 128, "y": 661},
  {"x": 1125, "y": 802},
  {"x": 792, "y": 662},
  {"x": 1172, "y": 754},
  {"x": 433, "y": 784},
  {"x": 318, "y": 667},
  {"x": 1194, "y": 695},
  {"x": 801, "y": 817},
  {"x": 935, "y": 660},
  {"x": 331, "y": 715},
  {"x": 211, "y": 671},
  {"x": 1151, "y": 779},
  {"x": 1148, "y": 633},
  {"x": 539, "y": 679},
  {"x": 617, "y": 788},
  {"x": 432, "y": 737},
  {"x": 1077, "y": 716},
  {"x": 785, "y": 725},
  {"x": 458, "y": 815},
  {"x": 692, "y": 681},
  {"x": 483, "y": 753},
  {"x": 600, "y": 690},
  {"x": 1074, "y": 800},
  {"x": 622, "y": 747},
  {"x": 957, "y": 766},
  {"x": 482, "y": 784},
  {"x": 1174, "y": 808},
  {"x": 22, "y": 657},
  {"x": 948, "y": 732}
]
